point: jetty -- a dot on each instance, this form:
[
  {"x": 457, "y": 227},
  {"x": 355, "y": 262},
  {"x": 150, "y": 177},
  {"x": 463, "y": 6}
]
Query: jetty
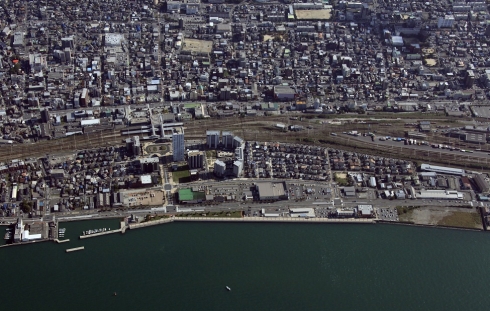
[
  {"x": 61, "y": 241},
  {"x": 122, "y": 229},
  {"x": 69, "y": 250}
]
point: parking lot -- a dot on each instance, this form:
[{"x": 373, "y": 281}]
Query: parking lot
[
  {"x": 388, "y": 214},
  {"x": 308, "y": 191}
]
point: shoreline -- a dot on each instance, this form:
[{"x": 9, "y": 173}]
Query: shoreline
[{"x": 132, "y": 226}]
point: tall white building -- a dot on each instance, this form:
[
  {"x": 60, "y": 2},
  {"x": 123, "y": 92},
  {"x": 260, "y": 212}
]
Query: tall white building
[
  {"x": 219, "y": 168},
  {"x": 239, "y": 154},
  {"x": 237, "y": 168},
  {"x": 445, "y": 22},
  {"x": 227, "y": 140},
  {"x": 238, "y": 142},
  {"x": 178, "y": 145},
  {"x": 212, "y": 139}
]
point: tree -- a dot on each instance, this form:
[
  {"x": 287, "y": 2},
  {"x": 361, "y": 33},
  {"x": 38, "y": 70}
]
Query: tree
[{"x": 26, "y": 206}]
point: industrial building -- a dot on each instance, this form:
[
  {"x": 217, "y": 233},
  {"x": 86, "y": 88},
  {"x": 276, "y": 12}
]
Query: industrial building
[
  {"x": 302, "y": 212},
  {"x": 365, "y": 211},
  {"x": 439, "y": 195},
  {"x": 442, "y": 169},
  {"x": 271, "y": 191},
  {"x": 345, "y": 213},
  {"x": 282, "y": 92},
  {"x": 481, "y": 183}
]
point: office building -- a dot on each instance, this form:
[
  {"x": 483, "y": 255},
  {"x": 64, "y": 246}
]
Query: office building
[
  {"x": 133, "y": 146},
  {"x": 178, "y": 145},
  {"x": 45, "y": 116},
  {"x": 84, "y": 98}
]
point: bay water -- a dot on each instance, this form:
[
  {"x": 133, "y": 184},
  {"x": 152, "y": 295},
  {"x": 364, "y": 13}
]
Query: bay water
[{"x": 186, "y": 266}]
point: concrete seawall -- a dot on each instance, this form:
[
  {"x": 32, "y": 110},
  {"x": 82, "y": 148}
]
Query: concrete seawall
[
  {"x": 253, "y": 219},
  {"x": 25, "y": 243},
  {"x": 278, "y": 219},
  {"x": 150, "y": 223}
]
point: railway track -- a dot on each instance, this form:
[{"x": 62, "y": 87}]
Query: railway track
[
  {"x": 254, "y": 129},
  {"x": 67, "y": 144}
]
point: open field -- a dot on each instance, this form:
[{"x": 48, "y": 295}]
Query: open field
[
  {"x": 181, "y": 175},
  {"x": 442, "y": 216}
]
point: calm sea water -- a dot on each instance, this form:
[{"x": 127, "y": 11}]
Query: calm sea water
[{"x": 186, "y": 266}]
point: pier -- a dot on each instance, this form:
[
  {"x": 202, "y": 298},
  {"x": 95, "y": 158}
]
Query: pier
[
  {"x": 122, "y": 229},
  {"x": 61, "y": 241},
  {"x": 69, "y": 250}
]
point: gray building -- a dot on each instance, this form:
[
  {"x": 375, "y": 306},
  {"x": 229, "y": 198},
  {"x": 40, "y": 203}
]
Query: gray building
[
  {"x": 271, "y": 191},
  {"x": 195, "y": 159},
  {"x": 219, "y": 168},
  {"x": 481, "y": 183},
  {"x": 227, "y": 140},
  {"x": 178, "y": 145},
  {"x": 212, "y": 139},
  {"x": 237, "y": 168}
]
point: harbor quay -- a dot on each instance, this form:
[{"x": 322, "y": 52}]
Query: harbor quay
[
  {"x": 252, "y": 219},
  {"x": 122, "y": 229}
]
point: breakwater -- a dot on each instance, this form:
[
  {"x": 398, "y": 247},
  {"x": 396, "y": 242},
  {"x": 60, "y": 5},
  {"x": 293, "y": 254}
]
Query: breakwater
[{"x": 69, "y": 250}]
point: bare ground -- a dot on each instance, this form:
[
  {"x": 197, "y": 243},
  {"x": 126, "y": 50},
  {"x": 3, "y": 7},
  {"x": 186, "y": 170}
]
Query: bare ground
[{"x": 444, "y": 216}]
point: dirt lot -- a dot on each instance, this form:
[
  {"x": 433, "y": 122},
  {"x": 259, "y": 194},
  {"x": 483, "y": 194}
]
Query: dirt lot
[{"x": 444, "y": 216}]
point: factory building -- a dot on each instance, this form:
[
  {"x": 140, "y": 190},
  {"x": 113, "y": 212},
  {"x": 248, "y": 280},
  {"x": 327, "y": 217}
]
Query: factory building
[
  {"x": 481, "y": 183},
  {"x": 442, "y": 169}
]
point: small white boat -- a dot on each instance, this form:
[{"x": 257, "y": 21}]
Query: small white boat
[{"x": 228, "y": 288}]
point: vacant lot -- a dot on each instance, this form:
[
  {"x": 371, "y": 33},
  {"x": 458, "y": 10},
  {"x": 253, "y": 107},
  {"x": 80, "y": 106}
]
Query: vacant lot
[
  {"x": 181, "y": 175},
  {"x": 443, "y": 216}
]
